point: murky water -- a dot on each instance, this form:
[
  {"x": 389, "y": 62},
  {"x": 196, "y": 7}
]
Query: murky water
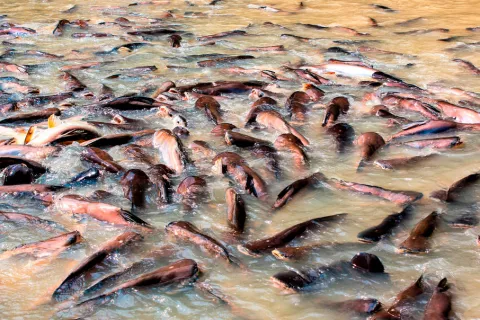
[{"x": 25, "y": 285}]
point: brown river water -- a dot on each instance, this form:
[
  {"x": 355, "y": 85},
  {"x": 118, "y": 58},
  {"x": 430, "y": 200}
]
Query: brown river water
[{"x": 25, "y": 285}]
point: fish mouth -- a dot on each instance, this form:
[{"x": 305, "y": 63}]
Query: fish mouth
[
  {"x": 247, "y": 251},
  {"x": 279, "y": 255}
]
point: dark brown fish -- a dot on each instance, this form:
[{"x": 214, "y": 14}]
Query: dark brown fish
[
  {"x": 72, "y": 83},
  {"x": 440, "y": 304},
  {"x": 453, "y": 191},
  {"x": 281, "y": 239},
  {"x": 292, "y": 189},
  {"x": 192, "y": 187},
  {"x": 159, "y": 176},
  {"x": 315, "y": 93},
  {"x": 405, "y": 296},
  {"x": 242, "y": 140},
  {"x": 343, "y": 134},
  {"x": 363, "y": 263},
  {"x": 37, "y": 168},
  {"x": 211, "y": 107},
  {"x": 235, "y": 166},
  {"x": 382, "y": 111},
  {"x": 188, "y": 232},
  {"x": 369, "y": 143},
  {"x": 176, "y": 272},
  {"x": 236, "y": 214},
  {"x": 32, "y": 117},
  {"x": 17, "y": 174},
  {"x": 60, "y": 28},
  {"x": 296, "y": 105},
  {"x": 175, "y": 40},
  {"x": 337, "y": 106},
  {"x": 288, "y": 142},
  {"x": 134, "y": 183},
  {"x": 417, "y": 241},
  {"x": 111, "y": 140},
  {"x": 384, "y": 228},
  {"x": 70, "y": 285},
  {"x": 102, "y": 158},
  {"x": 298, "y": 253},
  {"x": 138, "y": 154}
]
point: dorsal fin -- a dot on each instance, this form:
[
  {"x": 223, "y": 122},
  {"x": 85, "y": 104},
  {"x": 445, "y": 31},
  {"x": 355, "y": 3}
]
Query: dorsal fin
[
  {"x": 53, "y": 121},
  {"x": 30, "y": 133}
]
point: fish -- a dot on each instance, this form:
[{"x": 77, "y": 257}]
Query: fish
[
  {"x": 17, "y": 174},
  {"x": 453, "y": 191},
  {"x": 235, "y": 166},
  {"x": 272, "y": 119},
  {"x": 369, "y": 143},
  {"x": 111, "y": 140},
  {"x": 34, "y": 117},
  {"x": 417, "y": 241},
  {"x": 296, "y": 281},
  {"x": 134, "y": 183},
  {"x": 440, "y": 304},
  {"x": 288, "y": 142},
  {"x": 70, "y": 285},
  {"x": 281, "y": 239},
  {"x": 171, "y": 149},
  {"x": 236, "y": 214},
  {"x": 23, "y": 218},
  {"x": 241, "y": 140},
  {"x": 410, "y": 293},
  {"x": 296, "y": 105},
  {"x": 398, "y": 163},
  {"x": 468, "y": 66},
  {"x": 222, "y": 35},
  {"x": 298, "y": 253},
  {"x": 159, "y": 176},
  {"x": 211, "y": 108},
  {"x": 334, "y": 108},
  {"x": 102, "y": 158},
  {"x": 45, "y": 248},
  {"x": 186, "y": 231},
  {"x": 385, "y": 227},
  {"x": 62, "y": 132},
  {"x": 105, "y": 212},
  {"x": 292, "y": 189},
  {"x": 343, "y": 134},
  {"x": 400, "y": 197}
]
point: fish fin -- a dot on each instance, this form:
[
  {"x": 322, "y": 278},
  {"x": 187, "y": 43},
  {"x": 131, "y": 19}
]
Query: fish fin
[
  {"x": 53, "y": 121},
  {"x": 30, "y": 133},
  {"x": 413, "y": 124},
  {"x": 443, "y": 285},
  {"x": 130, "y": 217}
]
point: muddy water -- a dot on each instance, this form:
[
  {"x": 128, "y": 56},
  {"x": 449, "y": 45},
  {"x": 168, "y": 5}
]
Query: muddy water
[{"x": 25, "y": 285}]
